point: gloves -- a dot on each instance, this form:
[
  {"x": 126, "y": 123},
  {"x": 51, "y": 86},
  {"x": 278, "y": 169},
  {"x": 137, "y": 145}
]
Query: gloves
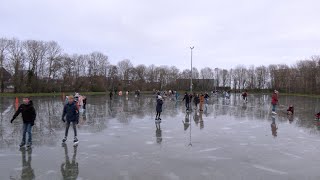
[{"x": 63, "y": 120}]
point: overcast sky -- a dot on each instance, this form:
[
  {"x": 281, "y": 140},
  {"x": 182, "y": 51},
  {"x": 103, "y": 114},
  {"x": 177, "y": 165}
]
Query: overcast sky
[{"x": 225, "y": 33}]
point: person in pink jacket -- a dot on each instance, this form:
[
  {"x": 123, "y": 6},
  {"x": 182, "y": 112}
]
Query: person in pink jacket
[{"x": 274, "y": 101}]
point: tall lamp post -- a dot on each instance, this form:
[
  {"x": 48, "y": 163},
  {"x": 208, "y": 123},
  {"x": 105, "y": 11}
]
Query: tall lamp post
[{"x": 191, "y": 48}]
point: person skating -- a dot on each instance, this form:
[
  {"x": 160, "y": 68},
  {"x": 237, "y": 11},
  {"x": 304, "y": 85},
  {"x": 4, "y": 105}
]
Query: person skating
[
  {"x": 110, "y": 94},
  {"x": 71, "y": 112},
  {"x": 245, "y": 96},
  {"x": 84, "y": 101},
  {"x": 201, "y": 101},
  {"x": 206, "y": 97},
  {"x": 28, "y": 116},
  {"x": 159, "y": 107},
  {"x": 318, "y": 115},
  {"x": 186, "y": 98},
  {"x": 196, "y": 100},
  {"x": 290, "y": 110},
  {"x": 274, "y": 101}
]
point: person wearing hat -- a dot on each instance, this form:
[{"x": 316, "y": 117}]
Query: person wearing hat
[
  {"x": 159, "y": 107},
  {"x": 28, "y": 117}
]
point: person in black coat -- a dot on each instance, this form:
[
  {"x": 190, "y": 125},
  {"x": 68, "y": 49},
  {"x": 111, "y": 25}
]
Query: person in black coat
[
  {"x": 159, "y": 107},
  {"x": 71, "y": 111},
  {"x": 84, "y": 102},
  {"x": 187, "y": 100},
  {"x": 28, "y": 116},
  {"x": 196, "y": 100}
]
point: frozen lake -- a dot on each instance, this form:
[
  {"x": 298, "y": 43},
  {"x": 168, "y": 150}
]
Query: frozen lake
[{"x": 119, "y": 141}]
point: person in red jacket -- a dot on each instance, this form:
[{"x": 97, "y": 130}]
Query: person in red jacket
[{"x": 274, "y": 101}]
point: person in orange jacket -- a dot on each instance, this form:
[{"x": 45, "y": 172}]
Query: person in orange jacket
[{"x": 201, "y": 101}]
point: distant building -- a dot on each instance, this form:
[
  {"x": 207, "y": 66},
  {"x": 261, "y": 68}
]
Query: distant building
[{"x": 8, "y": 87}]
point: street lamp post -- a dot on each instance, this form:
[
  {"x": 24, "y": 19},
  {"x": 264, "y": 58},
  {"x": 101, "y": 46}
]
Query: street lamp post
[{"x": 191, "y": 48}]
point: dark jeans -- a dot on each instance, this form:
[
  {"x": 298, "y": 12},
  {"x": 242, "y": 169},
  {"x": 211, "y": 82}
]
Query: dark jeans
[
  {"x": 27, "y": 128},
  {"x": 74, "y": 125},
  {"x": 187, "y": 105}
]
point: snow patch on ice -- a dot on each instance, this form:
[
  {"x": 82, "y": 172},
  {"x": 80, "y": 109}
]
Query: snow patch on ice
[
  {"x": 210, "y": 149},
  {"x": 269, "y": 169}
]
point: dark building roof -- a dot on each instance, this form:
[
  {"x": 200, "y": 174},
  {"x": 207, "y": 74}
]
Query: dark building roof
[{"x": 6, "y": 75}]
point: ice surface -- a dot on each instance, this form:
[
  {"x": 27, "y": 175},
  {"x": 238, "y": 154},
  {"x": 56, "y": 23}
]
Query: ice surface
[{"x": 119, "y": 139}]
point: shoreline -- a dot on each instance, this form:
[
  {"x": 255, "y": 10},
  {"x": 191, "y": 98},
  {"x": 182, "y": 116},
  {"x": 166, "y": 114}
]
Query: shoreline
[{"x": 143, "y": 92}]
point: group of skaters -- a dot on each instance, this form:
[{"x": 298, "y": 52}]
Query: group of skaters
[
  {"x": 198, "y": 99},
  {"x": 75, "y": 102},
  {"x": 70, "y": 115},
  {"x": 120, "y": 93}
]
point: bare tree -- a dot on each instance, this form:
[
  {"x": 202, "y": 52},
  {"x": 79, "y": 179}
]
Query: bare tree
[
  {"x": 4, "y": 43},
  {"x": 124, "y": 66},
  {"x": 16, "y": 57}
]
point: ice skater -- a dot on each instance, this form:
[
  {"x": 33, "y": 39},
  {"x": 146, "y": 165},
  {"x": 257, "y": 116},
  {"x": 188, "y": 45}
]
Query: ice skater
[
  {"x": 196, "y": 101},
  {"x": 186, "y": 98},
  {"x": 159, "y": 108},
  {"x": 84, "y": 101},
  {"x": 274, "y": 101},
  {"x": 245, "y": 96},
  {"x": 110, "y": 95},
  {"x": 206, "y": 97},
  {"x": 317, "y": 116},
  {"x": 28, "y": 116},
  {"x": 201, "y": 101},
  {"x": 71, "y": 111},
  {"x": 290, "y": 110}
]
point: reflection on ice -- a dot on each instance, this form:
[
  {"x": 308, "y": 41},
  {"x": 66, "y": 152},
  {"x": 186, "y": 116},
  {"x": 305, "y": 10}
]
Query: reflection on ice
[{"x": 229, "y": 139}]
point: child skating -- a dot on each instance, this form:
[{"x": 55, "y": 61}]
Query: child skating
[
  {"x": 71, "y": 112},
  {"x": 159, "y": 108},
  {"x": 274, "y": 101},
  {"x": 28, "y": 116},
  {"x": 290, "y": 110}
]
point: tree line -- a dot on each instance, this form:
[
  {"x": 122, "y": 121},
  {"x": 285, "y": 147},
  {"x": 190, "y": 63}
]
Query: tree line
[{"x": 43, "y": 66}]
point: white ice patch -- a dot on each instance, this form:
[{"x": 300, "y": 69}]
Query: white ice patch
[
  {"x": 85, "y": 134},
  {"x": 7, "y": 110},
  {"x": 51, "y": 172},
  {"x": 172, "y": 176},
  {"x": 210, "y": 149},
  {"x": 292, "y": 155},
  {"x": 149, "y": 142},
  {"x": 269, "y": 169},
  {"x": 215, "y": 158},
  {"x": 94, "y": 146},
  {"x": 226, "y": 128}
]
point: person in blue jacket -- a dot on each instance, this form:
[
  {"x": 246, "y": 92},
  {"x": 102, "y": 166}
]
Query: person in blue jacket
[{"x": 71, "y": 112}]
